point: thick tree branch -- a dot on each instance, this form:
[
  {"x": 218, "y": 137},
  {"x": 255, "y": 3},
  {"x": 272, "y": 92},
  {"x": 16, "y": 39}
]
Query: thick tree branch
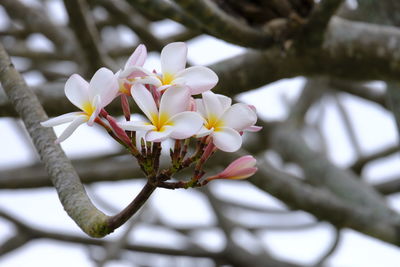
[
  {"x": 352, "y": 50},
  {"x": 312, "y": 34},
  {"x": 320, "y": 172},
  {"x": 324, "y": 205},
  {"x": 64, "y": 177},
  {"x": 90, "y": 170}
]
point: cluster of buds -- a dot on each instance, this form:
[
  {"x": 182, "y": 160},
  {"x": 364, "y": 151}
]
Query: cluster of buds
[{"x": 171, "y": 112}]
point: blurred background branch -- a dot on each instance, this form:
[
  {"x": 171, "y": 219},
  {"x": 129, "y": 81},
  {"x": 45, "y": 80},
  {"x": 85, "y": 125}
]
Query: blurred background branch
[{"x": 338, "y": 49}]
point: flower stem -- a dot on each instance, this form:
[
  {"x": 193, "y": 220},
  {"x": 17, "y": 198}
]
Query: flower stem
[{"x": 120, "y": 218}]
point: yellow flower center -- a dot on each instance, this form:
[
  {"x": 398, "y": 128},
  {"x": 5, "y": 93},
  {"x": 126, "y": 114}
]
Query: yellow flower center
[
  {"x": 124, "y": 88},
  {"x": 167, "y": 78},
  {"x": 160, "y": 120},
  {"x": 214, "y": 122},
  {"x": 88, "y": 108}
]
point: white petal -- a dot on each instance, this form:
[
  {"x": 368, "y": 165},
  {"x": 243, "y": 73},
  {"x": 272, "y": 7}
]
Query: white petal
[
  {"x": 77, "y": 90},
  {"x": 239, "y": 117},
  {"x": 226, "y": 102},
  {"x": 105, "y": 84},
  {"x": 152, "y": 80},
  {"x": 138, "y": 57},
  {"x": 145, "y": 101},
  {"x": 71, "y": 128},
  {"x": 136, "y": 126},
  {"x": 227, "y": 139},
  {"x": 158, "y": 136},
  {"x": 68, "y": 117},
  {"x": 200, "y": 108},
  {"x": 204, "y": 131},
  {"x": 212, "y": 105},
  {"x": 199, "y": 79},
  {"x": 139, "y": 136},
  {"x": 174, "y": 101},
  {"x": 164, "y": 87},
  {"x": 173, "y": 58},
  {"x": 186, "y": 124}
]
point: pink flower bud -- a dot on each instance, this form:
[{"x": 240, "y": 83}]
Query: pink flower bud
[
  {"x": 125, "y": 107},
  {"x": 118, "y": 130},
  {"x": 241, "y": 168}
]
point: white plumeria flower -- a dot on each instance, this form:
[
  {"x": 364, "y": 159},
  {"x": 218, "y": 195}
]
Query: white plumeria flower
[
  {"x": 130, "y": 70},
  {"x": 171, "y": 120},
  {"x": 173, "y": 72},
  {"x": 223, "y": 121},
  {"x": 89, "y": 97}
]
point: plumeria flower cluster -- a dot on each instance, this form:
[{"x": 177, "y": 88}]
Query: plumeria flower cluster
[{"x": 177, "y": 104}]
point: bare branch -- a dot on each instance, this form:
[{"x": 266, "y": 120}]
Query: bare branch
[
  {"x": 324, "y": 205},
  {"x": 358, "y": 166},
  {"x": 138, "y": 23},
  {"x": 312, "y": 34},
  {"x": 221, "y": 25},
  {"x": 331, "y": 250},
  {"x": 87, "y": 35},
  {"x": 36, "y": 21},
  {"x": 168, "y": 9}
]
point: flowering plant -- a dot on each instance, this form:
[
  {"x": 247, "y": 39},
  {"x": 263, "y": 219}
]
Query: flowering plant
[{"x": 171, "y": 112}]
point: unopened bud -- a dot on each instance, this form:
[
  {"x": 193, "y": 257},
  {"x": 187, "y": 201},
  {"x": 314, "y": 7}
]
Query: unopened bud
[{"x": 241, "y": 168}]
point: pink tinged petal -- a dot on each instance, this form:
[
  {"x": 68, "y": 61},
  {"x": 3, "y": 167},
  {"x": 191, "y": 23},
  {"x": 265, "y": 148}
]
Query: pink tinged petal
[
  {"x": 239, "y": 117},
  {"x": 71, "y": 128},
  {"x": 227, "y": 139},
  {"x": 138, "y": 57},
  {"x": 105, "y": 84},
  {"x": 77, "y": 90},
  {"x": 199, "y": 79},
  {"x": 173, "y": 58},
  {"x": 192, "y": 104},
  {"x": 185, "y": 124},
  {"x": 253, "y": 108},
  {"x": 241, "y": 174},
  {"x": 253, "y": 129},
  {"x": 136, "y": 126},
  {"x": 133, "y": 72},
  {"x": 212, "y": 105},
  {"x": 204, "y": 132},
  {"x": 175, "y": 100},
  {"x": 159, "y": 136},
  {"x": 145, "y": 101},
  {"x": 244, "y": 162}
]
